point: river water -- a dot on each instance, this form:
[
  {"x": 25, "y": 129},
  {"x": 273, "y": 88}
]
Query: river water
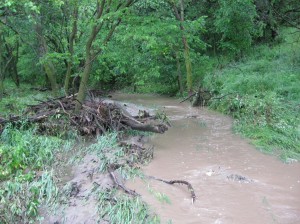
[{"x": 233, "y": 181}]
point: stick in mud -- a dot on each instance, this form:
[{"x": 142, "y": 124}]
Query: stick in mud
[
  {"x": 190, "y": 187},
  {"x": 120, "y": 185}
]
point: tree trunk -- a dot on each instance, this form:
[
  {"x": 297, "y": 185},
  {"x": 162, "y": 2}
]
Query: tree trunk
[
  {"x": 2, "y": 66},
  {"x": 179, "y": 75},
  {"x": 71, "y": 49},
  {"x": 68, "y": 77},
  {"x": 90, "y": 57},
  {"x": 83, "y": 84},
  {"x": 1, "y": 86},
  {"x": 43, "y": 51},
  {"x": 264, "y": 9},
  {"x": 188, "y": 65},
  {"x": 13, "y": 62},
  {"x": 15, "y": 72}
]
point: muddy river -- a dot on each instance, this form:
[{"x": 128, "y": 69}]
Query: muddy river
[{"x": 233, "y": 181}]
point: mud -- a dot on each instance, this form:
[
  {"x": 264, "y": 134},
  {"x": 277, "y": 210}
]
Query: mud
[
  {"x": 78, "y": 203},
  {"x": 233, "y": 181}
]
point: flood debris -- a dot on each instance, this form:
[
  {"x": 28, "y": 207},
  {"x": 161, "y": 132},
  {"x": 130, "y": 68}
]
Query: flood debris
[{"x": 97, "y": 116}]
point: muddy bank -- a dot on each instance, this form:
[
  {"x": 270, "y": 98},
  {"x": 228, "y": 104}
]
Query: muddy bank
[
  {"x": 78, "y": 203},
  {"x": 99, "y": 168},
  {"x": 234, "y": 182}
]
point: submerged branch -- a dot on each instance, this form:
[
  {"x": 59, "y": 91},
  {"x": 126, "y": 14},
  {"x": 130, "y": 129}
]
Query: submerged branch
[{"x": 171, "y": 182}]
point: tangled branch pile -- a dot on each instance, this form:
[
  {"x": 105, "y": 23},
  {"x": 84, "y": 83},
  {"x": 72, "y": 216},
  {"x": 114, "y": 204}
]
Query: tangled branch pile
[{"x": 96, "y": 117}]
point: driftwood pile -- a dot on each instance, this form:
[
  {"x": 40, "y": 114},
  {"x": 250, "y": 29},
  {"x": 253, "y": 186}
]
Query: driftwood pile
[{"x": 97, "y": 116}]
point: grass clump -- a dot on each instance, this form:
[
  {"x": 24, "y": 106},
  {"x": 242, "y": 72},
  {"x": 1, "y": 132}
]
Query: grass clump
[
  {"x": 114, "y": 206},
  {"x": 21, "y": 196},
  {"x": 123, "y": 209},
  {"x": 263, "y": 95},
  {"x": 25, "y": 182},
  {"x": 107, "y": 150}
]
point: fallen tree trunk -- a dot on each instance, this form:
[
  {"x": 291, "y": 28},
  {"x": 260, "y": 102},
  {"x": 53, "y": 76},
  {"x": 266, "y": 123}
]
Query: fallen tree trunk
[
  {"x": 137, "y": 125},
  {"x": 157, "y": 128}
]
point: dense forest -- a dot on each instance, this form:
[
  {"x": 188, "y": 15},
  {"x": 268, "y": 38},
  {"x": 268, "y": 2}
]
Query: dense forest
[
  {"x": 115, "y": 44},
  {"x": 240, "y": 57}
]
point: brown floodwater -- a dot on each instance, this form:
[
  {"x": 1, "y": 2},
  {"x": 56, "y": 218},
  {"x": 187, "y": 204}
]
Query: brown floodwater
[{"x": 233, "y": 181}]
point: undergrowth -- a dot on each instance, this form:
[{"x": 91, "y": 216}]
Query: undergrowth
[
  {"x": 16, "y": 99},
  {"x": 262, "y": 94}
]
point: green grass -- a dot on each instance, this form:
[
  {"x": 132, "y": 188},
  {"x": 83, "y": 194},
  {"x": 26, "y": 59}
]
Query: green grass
[
  {"x": 264, "y": 95},
  {"x": 114, "y": 206},
  {"x": 123, "y": 209},
  {"x": 16, "y": 99},
  {"x": 26, "y": 159},
  {"x": 107, "y": 150},
  {"x": 21, "y": 196},
  {"x": 25, "y": 180}
]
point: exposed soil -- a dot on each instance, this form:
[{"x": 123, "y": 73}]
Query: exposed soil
[{"x": 79, "y": 204}]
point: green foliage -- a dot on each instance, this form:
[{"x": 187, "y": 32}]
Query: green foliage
[
  {"x": 24, "y": 158},
  {"x": 141, "y": 54},
  {"x": 235, "y": 20},
  {"x": 264, "y": 96},
  {"x": 22, "y": 149},
  {"x": 107, "y": 149}
]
